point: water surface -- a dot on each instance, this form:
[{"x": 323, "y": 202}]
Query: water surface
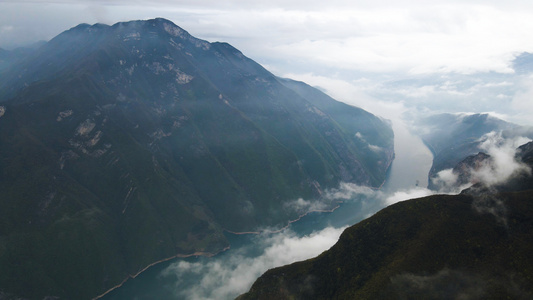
[{"x": 231, "y": 273}]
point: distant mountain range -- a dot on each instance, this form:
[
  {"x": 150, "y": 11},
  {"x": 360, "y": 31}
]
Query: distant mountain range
[
  {"x": 475, "y": 245},
  {"x": 453, "y": 137},
  {"x": 129, "y": 144}
]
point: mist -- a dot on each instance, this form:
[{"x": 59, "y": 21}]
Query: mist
[
  {"x": 503, "y": 164},
  {"x": 227, "y": 278},
  {"x": 500, "y": 166},
  {"x": 230, "y": 274},
  {"x": 453, "y": 284},
  {"x": 425, "y": 59}
]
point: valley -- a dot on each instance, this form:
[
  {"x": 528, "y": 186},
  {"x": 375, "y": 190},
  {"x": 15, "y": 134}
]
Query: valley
[
  {"x": 176, "y": 278},
  {"x": 128, "y": 144},
  {"x": 138, "y": 161}
]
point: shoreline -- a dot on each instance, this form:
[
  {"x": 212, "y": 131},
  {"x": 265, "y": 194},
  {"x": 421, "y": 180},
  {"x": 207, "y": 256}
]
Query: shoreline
[
  {"x": 198, "y": 253},
  {"x": 210, "y": 254},
  {"x": 336, "y": 204},
  {"x": 288, "y": 223}
]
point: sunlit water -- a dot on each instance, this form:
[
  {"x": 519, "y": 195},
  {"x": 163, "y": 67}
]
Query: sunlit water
[{"x": 231, "y": 273}]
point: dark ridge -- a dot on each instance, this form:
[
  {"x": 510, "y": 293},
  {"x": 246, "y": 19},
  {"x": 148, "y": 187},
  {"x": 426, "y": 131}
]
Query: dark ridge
[{"x": 438, "y": 247}]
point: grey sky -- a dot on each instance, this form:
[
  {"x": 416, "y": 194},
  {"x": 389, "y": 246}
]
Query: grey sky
[
  {"x": 415, "y": 36},
  {"x": 344, "y": 46}
]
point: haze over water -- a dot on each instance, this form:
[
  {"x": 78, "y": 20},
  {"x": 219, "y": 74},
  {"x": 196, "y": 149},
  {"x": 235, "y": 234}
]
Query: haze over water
[
  {"x": 231, "y": 273},
  {"x": 412, "y": 160}
]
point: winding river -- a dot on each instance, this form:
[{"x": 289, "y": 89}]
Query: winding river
[{"x": 231, "y": 273}]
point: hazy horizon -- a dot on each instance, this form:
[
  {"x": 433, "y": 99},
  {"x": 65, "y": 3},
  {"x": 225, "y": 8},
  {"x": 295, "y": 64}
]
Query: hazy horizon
[
  {"x": 388, "y": 57},
  {"x": 396, "y": 59}
]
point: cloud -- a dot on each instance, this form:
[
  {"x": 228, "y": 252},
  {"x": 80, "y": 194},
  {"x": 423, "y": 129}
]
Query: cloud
[
  {"x": 348, "y": 191},
  {"x": 234, "y": 274},
  {"x": 502, "y": 153},
  {"x": 487, "y": 201},
  {"x": 407, "y": 36},
  {"x": 351, "y": 192},
  {"x": 375, "y": 148},
  {"x": 302, "y": 206},
  {"x": 496, "y": 169},
  {"x": 422, "y": 39},
  {"x": 452, "y": 284},
  {"x": 446, "y": 181},
  {"x": 379, "y": 56},
  {"x": 354, "y": 92},
  {"x": 370, "y": 146},
  {"x": 456, "y": 284},
  {"x": 412, "y": 193},
  {"x": 227, "y": 275},
  {"x": 523, "y": 98},
  {"x": 100, "y": 13}
]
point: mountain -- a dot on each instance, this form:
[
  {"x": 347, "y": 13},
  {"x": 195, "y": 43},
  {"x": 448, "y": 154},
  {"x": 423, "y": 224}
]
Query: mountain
[
  {"x": 474, "y": 245},
  {"x": 521, "y": 179},
  {"x": 453, "y": 137},
  {"x": 5, "y": 59},
  {"x": 129, "y": 144},
  {"x": 11, "y": 57},
  {"x": 436, "y": 247}
]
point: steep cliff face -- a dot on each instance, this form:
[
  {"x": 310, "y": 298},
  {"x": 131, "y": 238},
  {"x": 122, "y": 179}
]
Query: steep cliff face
[{"x": 127, "y": 144}]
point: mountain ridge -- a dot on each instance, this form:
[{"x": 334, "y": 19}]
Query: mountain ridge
[
  {"x": 453, "y": 137},
  {"x": 365, "y": 265},
  {"x": 136, "y": 142},
  {"x": 472, "y": 245}
]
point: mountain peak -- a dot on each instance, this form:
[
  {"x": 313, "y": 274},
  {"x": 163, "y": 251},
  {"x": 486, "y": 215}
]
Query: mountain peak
[
  {"x": 138, "y": 25},
  {"x": 142, "y": 142},
  {"x": 88, "y": 27}
]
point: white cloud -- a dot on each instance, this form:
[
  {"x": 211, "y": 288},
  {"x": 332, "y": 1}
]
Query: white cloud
[
  {"x": 503, "y": 163},
  {"x": 446, "y": 181},
  {"x": 522, "y": 101},
  {"x": 228, "y": 277},
  {"x": 347, "y": 191},
  {"x": 302, "y": 206},
  {"x": 356, "y": 92},
  {"x": 403, "y": 195},
  {"x": 409, "y": 36},
  {"x": 375, "y": 148},
  {"x": 339, "y": 44},
  {"x": 497, "y": 169}
]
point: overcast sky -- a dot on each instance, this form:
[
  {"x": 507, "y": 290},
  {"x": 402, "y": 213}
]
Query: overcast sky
[
  {"x": 346, "y": 47},
  {"x": 386, "y": 56}
]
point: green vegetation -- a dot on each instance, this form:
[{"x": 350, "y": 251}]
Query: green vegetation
[
  {"x": 124, "y": 145},
  {"x": 475, "y": 245},
  {"x": 436, "y": 247}
]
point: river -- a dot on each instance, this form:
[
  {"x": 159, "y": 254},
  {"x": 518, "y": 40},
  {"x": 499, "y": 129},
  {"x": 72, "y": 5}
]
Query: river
[{"x": 231, "y": 273}]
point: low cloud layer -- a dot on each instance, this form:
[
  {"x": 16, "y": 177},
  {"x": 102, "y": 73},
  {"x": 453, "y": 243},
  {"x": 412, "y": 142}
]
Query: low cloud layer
[
  {"x": 446, "y": 284},
  {"x": 455, "y": 284},
  {"x": 227, "y": 277},
  {"x": 302, "y": 206},
  {"x": 230, "y": 274},
  {"x": 502, "y": 152},
  {"x": 497, "y": 169},
  {"x": 403, "y": 195}
]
